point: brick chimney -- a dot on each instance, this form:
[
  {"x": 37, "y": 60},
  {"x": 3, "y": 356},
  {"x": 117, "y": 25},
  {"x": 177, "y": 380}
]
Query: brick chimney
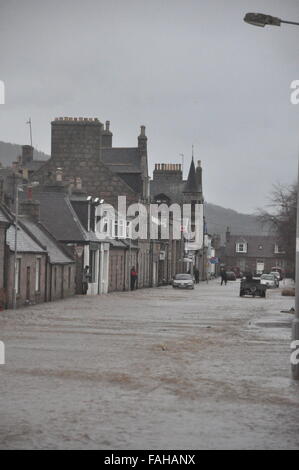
[
  {"x": 107, "y": 136},
  {"x": 30, "y": 207},
  {"x": 142, "y": 141}
]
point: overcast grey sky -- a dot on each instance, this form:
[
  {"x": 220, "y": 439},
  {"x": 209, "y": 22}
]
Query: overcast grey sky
[{"x": 192, "y": 71}]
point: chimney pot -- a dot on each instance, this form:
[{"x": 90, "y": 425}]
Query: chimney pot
[
  {"x": 29, "y": 193},
  {"x": 58, "y": 174},
  {"x": 78, "y": 183}
]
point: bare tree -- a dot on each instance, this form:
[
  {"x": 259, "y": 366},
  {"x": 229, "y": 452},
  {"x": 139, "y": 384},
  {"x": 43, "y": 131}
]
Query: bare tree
[{"x": 281, "y": 218}]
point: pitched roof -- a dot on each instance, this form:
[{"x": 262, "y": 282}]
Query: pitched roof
[
  {"x": 122, "y": 159},
  {"x": 191, "y": 185},
  {"x": 4, "y": 217},
  {"x": 59, "y": 217},
  {"x": 25, "y": 243},
  {"x": 56, "y": 254}
]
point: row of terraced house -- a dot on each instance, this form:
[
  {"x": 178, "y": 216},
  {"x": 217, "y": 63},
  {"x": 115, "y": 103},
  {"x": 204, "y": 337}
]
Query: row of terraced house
[{"x": 62, "y": 202}]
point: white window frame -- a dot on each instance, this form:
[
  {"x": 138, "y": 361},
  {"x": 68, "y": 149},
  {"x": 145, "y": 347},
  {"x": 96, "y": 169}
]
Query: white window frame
[
  {"x": 238, "y": 245},
  {"x": 277, "y": 251}
]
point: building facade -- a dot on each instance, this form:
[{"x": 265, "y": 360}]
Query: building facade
[{"x": 254, "y": 253}]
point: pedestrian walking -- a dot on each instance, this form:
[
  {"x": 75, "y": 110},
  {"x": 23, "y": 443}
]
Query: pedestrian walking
[
  {"x": 223, "y": 275},
  {"x": 134, "y": 277},
  {"x": 196, "y": 275},
  {"x": 85, "y": 280}
]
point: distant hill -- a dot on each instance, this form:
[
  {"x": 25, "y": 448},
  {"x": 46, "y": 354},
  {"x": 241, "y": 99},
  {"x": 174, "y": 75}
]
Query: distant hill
[
  {"x": 218, "y": 219},
  {"x": 10, "y": 152}
]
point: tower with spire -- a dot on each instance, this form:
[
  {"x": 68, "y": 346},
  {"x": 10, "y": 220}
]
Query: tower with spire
[{"x": 192, "y": 192}]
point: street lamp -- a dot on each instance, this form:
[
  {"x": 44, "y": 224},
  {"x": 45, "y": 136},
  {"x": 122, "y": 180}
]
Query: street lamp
[
  {"x": 19, "y": 187},
  {"x": 259, "y": 19}
]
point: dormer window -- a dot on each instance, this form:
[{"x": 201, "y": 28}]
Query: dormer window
[
  {"x": 278, "y": 249},
  {"x": 241, "y": 247}
]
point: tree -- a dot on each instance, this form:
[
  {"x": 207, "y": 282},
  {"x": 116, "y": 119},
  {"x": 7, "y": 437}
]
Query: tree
[{"x": 282, "y": 218}]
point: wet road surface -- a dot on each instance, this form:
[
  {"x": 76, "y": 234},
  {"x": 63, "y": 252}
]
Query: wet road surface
[{"x": 151, "y": 369}]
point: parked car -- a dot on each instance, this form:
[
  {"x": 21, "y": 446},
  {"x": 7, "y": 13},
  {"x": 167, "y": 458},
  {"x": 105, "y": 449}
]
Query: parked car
[
  {"x": 268, "y": 280},
  {"x": 278, "y": 270},
  {"x": 277, "y": 277},
  {"x": 183, "y": 281},
  {"x": 231, "y": 276}
]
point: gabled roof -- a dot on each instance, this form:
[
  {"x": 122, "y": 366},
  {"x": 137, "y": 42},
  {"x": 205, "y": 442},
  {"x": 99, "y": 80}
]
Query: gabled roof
[
  {"x": 56, "y": 254},
  {"x": 25, "y": 243},
  {"x": 191, "y": 185}
]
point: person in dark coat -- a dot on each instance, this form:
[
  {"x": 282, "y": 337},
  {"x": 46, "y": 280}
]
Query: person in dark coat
[
  {"x": 134, "y": 276},
  {"x": 85, "y": 280},
  {"x": 223, "y": 276},
  {"x": 196, "y": 275}
]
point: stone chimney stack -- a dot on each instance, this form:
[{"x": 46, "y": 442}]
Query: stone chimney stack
[
  {"x": 107, "y": 136},
  {"x": 142, "y": 141},
  {"x": 30, "y": 207},
  {"x": 59, "y": 174},
  {"x": 27, "y": 154}
]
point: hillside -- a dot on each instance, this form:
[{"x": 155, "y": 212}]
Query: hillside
[
  {"x": 10, "y": 152},
  {"x": 218, "y": 219}
]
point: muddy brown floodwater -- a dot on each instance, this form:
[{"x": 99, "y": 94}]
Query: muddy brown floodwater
[{"x": 150, "y": 369}]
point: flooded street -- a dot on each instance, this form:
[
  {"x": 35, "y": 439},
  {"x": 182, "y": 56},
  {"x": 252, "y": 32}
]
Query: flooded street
[{"x": 151, "y": 369}]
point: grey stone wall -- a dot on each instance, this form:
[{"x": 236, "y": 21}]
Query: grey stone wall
[{"x": 76, "y": 149}]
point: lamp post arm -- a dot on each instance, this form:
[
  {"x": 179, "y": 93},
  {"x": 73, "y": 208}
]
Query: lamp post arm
[{"x": 289, "y": 22}]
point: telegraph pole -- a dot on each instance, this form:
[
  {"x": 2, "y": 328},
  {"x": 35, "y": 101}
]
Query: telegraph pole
[{"x": 30, "y": 130}]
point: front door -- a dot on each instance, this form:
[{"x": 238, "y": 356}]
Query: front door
[{"x": 28, "y": 283}]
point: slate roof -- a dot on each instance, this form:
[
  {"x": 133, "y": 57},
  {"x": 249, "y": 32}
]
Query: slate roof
[
  {"x": 122, "y": 159},
  {"x": 3, "y": 216},
  {"x": 34, "y": 165},
  {"x": 191, "y": 185},
  {"x": 59, "y": 217},
  {"x": 25, "y": 243},
  {"x": 56, "y": 254}
]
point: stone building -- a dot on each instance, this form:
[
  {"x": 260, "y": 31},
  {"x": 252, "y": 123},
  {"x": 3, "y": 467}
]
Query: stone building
[
  {"x": 254, "y": 253},
  {"x": 70, "y": 217},
  {"x": 76, "y": 148},
  {"x": 169, "y": 187},
  {"x": 82, "y": 147},
  {"x": 44, "y": 271}
]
